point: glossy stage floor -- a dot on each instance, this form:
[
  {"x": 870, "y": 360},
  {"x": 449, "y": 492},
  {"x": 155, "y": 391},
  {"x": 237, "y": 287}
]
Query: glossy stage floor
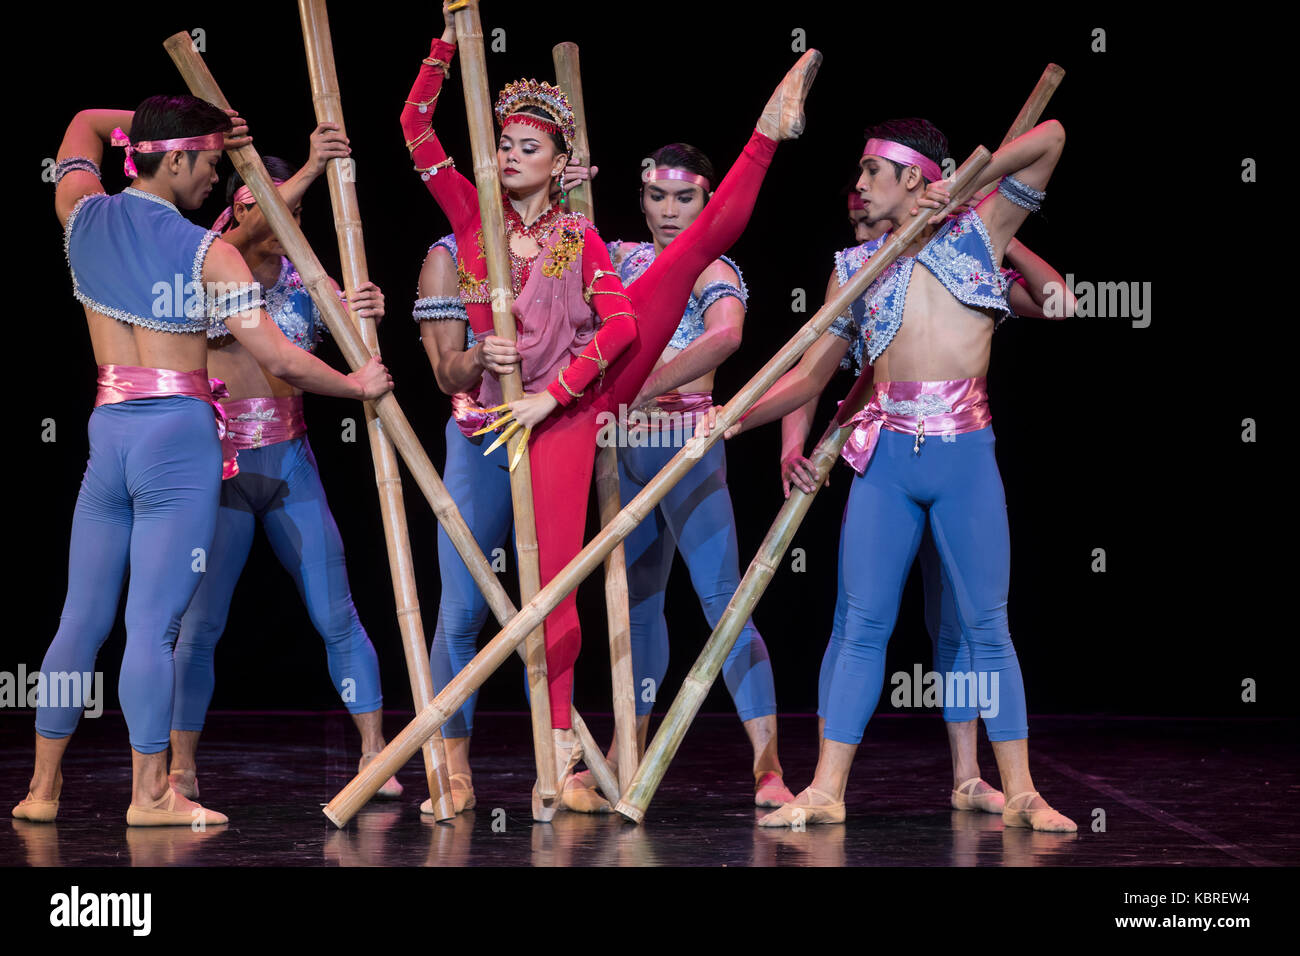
[{"x": 1145, "y": 792}]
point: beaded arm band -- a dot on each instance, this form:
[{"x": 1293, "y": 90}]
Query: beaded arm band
[
  {"x": 590, "y": 290},
  {"x": 247, "y": 297},
  {"x": 601, "y": 364},
  {"x": 65, "y": 166},
  {"x": 1026, "y": 197},
  {"x": 439, "y": 308}
]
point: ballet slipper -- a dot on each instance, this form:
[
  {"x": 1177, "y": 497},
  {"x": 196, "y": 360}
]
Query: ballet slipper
[
  {"x": 185, "y": 782},
  {"x": 567, "y": 754},
  {"x": 581, "y": 795},
  {"x": 771, "y": 791},
  {"x": 462, "y": 797},
  {"x": 1040, "y": 818},
  {"x": 37, "y": 811},
  {"x": 804, "y": 814},
  {"x": 163, "y": 813},
  {"x": 989, "y": 801},
  {"x": 390, "y": 790},
  {"x": 783, "y": 116}
]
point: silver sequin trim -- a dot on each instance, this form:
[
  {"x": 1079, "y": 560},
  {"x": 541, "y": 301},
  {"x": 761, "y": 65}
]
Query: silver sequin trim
[{"x": 921, "y": 407}]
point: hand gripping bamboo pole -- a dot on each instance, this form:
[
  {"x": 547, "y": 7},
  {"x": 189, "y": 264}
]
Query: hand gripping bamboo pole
[
  {"x": 395, "y": 425},
  {"x": 637, "y": 796},
  {"x": 483, "y": 143},
  {"x": 364, "y": 785},
  {"x": 568, "y": 75},
  {"x": 352, "y": 254}
]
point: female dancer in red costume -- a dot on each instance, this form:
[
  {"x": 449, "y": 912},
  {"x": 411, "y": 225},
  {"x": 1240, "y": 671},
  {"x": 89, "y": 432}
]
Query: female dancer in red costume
[{"x": 564, "y": 350}]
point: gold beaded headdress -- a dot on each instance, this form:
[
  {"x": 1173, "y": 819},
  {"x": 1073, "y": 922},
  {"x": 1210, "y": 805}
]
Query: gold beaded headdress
[{"x": 550, "y": 99}]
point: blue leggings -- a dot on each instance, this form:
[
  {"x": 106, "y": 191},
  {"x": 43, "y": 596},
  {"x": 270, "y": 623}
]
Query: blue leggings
[
  {"x": 695, "y": 516},
  {"x": 280, "y": 486},
  {"x": 957, "y": 483},
  {"x": 148, "y": 501},
  {"x": 481, "y": 489}
]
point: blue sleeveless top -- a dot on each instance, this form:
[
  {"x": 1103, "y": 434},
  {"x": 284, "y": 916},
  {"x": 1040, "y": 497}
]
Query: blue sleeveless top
[
  {"x": 134, "y": 257},
  {"x": 638, "y": 260},
  {"x": 290, "y": 306},
  {"x": 959, "y": 255}
]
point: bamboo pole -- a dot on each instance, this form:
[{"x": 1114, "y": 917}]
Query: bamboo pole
[
  {"x": 352, "y": 254},
  {"x": 483, "y": 143},
  {"x": 394, "y": 423},
  {"x": 364, "y": 785},
  {"x": 568, "y": 75},
  {"x": 637, "y": 796}
]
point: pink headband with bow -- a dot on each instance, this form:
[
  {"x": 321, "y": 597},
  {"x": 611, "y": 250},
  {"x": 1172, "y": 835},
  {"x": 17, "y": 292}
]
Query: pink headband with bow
[
  {"x": 242, "y": 195},
  {"x": 209, "y": 141},
  {"x": 888, "y": 149}
]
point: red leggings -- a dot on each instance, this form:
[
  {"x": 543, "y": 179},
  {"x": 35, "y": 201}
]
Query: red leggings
[{"x": 563, "y": 448}]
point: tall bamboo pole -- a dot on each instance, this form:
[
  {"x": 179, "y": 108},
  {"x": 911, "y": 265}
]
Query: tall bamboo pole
[
  {"x": 483, "y": 143},
  {"x": 568, "y": 75},
  {"x": 352, "y": 254},
  {"x": 708, "y": 665},
  {"x": 395, "y": 425},
  {"x": 364, "y": 785}
]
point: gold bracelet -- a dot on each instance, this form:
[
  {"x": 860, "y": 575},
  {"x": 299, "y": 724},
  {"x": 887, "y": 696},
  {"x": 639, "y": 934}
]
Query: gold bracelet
[
  {"x": 428, "y": 171},
  {"x": 434, "y": 61},
  {"x": 565, "y": 385},
  {"x": 423, "y": 104},
  {"x": 411, "y": 144}
]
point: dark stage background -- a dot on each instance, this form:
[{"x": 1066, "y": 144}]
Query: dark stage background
[{"x": 1110, "y": 436}]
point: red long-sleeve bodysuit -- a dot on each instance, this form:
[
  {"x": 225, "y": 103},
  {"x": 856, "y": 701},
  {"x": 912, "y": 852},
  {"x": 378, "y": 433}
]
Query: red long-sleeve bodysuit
[{"x": 563, "y": 448}]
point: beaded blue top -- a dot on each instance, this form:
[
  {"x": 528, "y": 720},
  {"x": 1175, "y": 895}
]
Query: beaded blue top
[
  {"x": 439, "y": 308},
  {"x": 691, "y": 327},
  {"x": 134, "y": 257},
  {"x": 290, "y": 306},
  {"x": 960, "y": 255}
]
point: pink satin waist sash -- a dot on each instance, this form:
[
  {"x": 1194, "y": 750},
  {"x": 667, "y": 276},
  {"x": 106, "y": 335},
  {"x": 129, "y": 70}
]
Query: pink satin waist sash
[
  {"x": 917, "y": 408},
  {"x": 257, "y": 422},
  {"x": 469, "y": 414},
  {"x": 126, "y": 383},
  {"x": 670, "y": 410}
]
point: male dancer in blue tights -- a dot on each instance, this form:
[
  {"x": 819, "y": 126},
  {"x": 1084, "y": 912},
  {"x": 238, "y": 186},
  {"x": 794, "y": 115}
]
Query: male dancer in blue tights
[{"x": 148, "y": 502}]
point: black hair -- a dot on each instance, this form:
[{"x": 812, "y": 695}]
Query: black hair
[
  {"x": 556, "y": 138},
  {"x": 173, "y": 117},
  {"x": 276, "y": 166},
  {"x": 917, "y": 134},
  {"x": 687, "y": 157}
]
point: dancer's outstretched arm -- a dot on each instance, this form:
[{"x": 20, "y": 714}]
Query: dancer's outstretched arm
[
  {"x": 1030, "y": 159},
  {"x": 325, "y": 143},
  {"x": 724, "y": 323},
  {"x": 455, "y": 194},
  {"x": 1030, "y": 296},
  {"x": 84, "y": 139}
]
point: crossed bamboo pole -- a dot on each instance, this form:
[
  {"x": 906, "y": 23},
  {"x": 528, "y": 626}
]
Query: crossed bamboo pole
[
  {"x": 568, "y": 76},
  {"x": 364, "y": 785},
  {"x": 637, "y": 796},
  {"x": 483, "y": 143},
  {"x": 352, "y": 254}
]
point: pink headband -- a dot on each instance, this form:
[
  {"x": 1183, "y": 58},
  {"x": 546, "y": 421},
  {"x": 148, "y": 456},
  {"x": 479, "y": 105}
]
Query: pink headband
[
  {"x": 210, "y": 141},
  {"x": 242, "y": 195},
  {"x": 665, "y": 172},
  {"x": 855, "y": 200},
  {"x": 888, "y": 149}
]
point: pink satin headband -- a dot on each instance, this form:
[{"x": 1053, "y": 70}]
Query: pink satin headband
[
  {"x": 664, "y": 172},
  {"x": 242, "y": 195},
  {"x": 210, "y": 141},
  {"x": 888, "y": 149}
]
